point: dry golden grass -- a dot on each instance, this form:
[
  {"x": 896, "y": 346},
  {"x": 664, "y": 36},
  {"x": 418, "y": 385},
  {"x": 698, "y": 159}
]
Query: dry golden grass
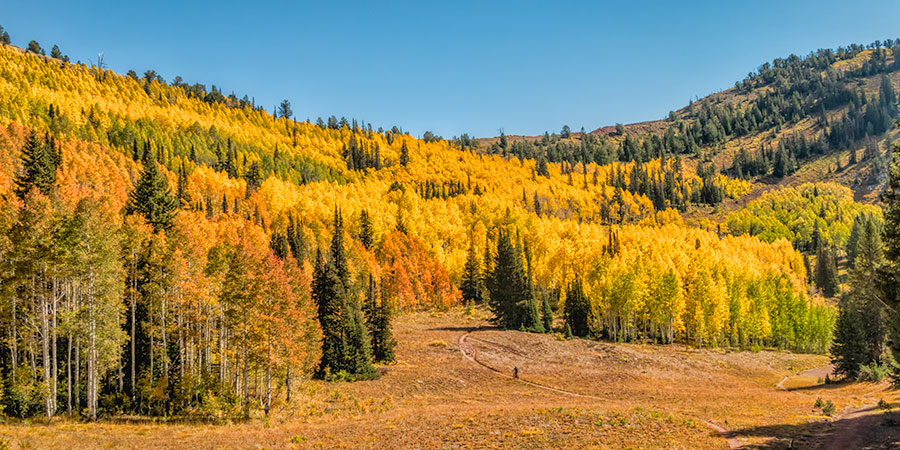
[{"x": 635, "y": 396}]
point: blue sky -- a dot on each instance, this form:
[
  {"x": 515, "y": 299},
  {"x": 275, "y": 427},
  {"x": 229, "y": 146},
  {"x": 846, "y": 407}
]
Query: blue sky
[{"x": 459, "y": 66}]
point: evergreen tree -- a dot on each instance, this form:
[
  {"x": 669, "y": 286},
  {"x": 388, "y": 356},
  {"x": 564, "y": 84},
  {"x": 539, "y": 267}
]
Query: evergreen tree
[
  {"x": 826, "y": 271},
  {"x": 184, "y": 197},
  {"x": 471, "y": 284},
  {"x": 404, "y": 154},
  {"x": 546, "y": 315},
  {"x": 253, "y": 177},
  {"x": 506, "y": 284},
  {"x": 383, "y": 342},
  {"x": 866, "y": 293},
  {"x": 39, "y": 161},
  {"x": 889, "y": 274},
  {"x": 365, "y": 230},
  {"x": 346, "y": 345},
  {"x": 531, "y": 319},
  {"x": 849, "y": 349},
  {"x": 577, "y": 310},
  {"x": 151, "y": 198}
]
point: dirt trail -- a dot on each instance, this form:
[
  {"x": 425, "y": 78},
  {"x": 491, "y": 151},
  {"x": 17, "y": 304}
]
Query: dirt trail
[
  {"x": 470, "y": 354},
  {"x": 852, "y": 427}
]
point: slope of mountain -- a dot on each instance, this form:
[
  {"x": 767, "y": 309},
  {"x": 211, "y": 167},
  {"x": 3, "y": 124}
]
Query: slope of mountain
[{"x": 217, "y": 290}]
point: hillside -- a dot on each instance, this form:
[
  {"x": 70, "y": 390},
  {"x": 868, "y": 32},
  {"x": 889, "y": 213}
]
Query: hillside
[{"x": 170, "y": 251}]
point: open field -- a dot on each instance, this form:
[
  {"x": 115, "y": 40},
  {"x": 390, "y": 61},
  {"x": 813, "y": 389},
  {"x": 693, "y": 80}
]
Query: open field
[{"x": 586, "y": 394}]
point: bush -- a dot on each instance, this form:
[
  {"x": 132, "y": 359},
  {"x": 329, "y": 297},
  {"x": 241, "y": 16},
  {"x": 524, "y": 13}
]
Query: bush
[
  {"x": 828, "y": 409},
  {"x": 819, "y": 402},
  {"x": 873, "y": 372}
]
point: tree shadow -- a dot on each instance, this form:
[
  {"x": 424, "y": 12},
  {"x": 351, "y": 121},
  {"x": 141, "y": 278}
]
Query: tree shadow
[
  {"x": 467, "y": 329},
  {"x": 874, "y": 430}
]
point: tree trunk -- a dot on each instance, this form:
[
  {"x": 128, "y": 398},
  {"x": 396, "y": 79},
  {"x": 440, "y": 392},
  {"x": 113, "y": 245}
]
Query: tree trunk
[
  {"x": 246, "y": 368},
  {"x": 268, "y": 374}
]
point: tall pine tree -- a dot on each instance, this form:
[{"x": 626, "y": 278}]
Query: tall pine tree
[{"x": 151, "y": 197}]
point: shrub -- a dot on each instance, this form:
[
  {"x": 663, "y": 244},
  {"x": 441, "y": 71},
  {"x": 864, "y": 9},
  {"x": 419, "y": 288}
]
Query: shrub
[
  {"x": 828, "y": 409},
  {"x": 872, "y": 372},
  {"x": 819, "y": 402}
]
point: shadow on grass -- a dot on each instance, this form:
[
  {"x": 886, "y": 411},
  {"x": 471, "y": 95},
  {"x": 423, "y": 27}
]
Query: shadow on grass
[
  {"x": 874, "y": 430},
  {"x": 464, "y": 329}
]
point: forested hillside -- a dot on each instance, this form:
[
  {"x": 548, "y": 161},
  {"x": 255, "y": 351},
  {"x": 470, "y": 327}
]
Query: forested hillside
[{"x": 167, "y": 249}]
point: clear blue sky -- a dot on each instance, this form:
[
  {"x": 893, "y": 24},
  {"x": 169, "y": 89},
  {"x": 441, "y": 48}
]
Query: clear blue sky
[{"x": 454, "y": 66}]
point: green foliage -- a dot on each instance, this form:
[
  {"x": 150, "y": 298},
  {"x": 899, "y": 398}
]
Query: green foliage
[
  {"x": 577, "y": 310},
  {"x": 40, "y": 159},
  {"x": 873, "y": 372},
  {"x": 346, "y": 344},
  {"x": 472, "y": 283},
  {"x": 795, "y": 213},
  {"x": 850, "y": 348},
  {"x": 151, "y": 198},
  {"x": 828, "y": 409},
  {"x": 507, "y": 284},
  {"x": 546, "y": 315}
]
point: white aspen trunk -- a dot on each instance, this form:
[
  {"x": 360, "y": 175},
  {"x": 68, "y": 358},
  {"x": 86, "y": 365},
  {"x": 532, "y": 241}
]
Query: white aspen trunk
[
  {"x": 53, "y": 351},
  {"x": 246, "y": 368},
  {"x": 268, "y": 374},
  {"x": 69, "y": 374},
  {"x": 45, "y": 354},
  {"x": 133, "y": 327}
]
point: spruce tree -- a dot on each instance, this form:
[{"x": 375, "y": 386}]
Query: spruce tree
[
  {"x": 404, "y": 154},
  {"x": 826, "y": 271},
  {"x": 184, "y": 197},
  {"x": 346, "y": 345},
  {"x": 39, "y": 161},
  {"x": 365, "y": 230},
  {"x": 849, "y": 349},
  {"x": 577, "y": 310},
  {"x": 531, "y": 318},
  {"x": 471, "y": 284},
  {"x": 507, "y": 284},
  {"x": 889, "y": 273},
  {"x": 151, "y": 198},
  {"x": 546, "y": 315},
  {"x": 383, "y": 342},
  {"x": 866, "y": 293}
]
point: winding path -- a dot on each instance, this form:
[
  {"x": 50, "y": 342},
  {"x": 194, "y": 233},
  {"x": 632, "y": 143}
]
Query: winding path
[
  {"x": 470, "y": 354},
  {"x": 851, "y": 426}
]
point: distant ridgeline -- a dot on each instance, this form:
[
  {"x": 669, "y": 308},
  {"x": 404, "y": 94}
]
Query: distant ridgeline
[
  {"x": 848, "y": 94},
  {"x": 167, "y": 249}
]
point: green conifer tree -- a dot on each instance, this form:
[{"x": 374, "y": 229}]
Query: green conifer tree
[
  {"x": 151, "y": 198},
  {"x": 39, "y": 161}
]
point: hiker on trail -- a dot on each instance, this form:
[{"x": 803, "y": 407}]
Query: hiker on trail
[{"x": 516, "y": 373}]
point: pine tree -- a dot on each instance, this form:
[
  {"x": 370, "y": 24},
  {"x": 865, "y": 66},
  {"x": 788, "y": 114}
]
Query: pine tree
[
  {"x": 531, "y": 318},
  {"x": 889, "y": 274},
  {"x": 39, "y": 161},
  {"x": 151, "y": 198},
  {"x": 865, "y": 292},
  {"x": 507, "y": 284},
  {"x": 184, "y": 197},
  {"x": 383, "y": 342},
  {"x": 826, "y": 271},
  {"x": 577, "y": 310},
  {"x": 546, "y": 315},
  {"x": 346, "y": 345},
  {"x": 365, "y": 230},
  {"x": 849, "y": 349},
  {"x": 404, "y": 154},
  {"x": 471, "y": 284}
]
